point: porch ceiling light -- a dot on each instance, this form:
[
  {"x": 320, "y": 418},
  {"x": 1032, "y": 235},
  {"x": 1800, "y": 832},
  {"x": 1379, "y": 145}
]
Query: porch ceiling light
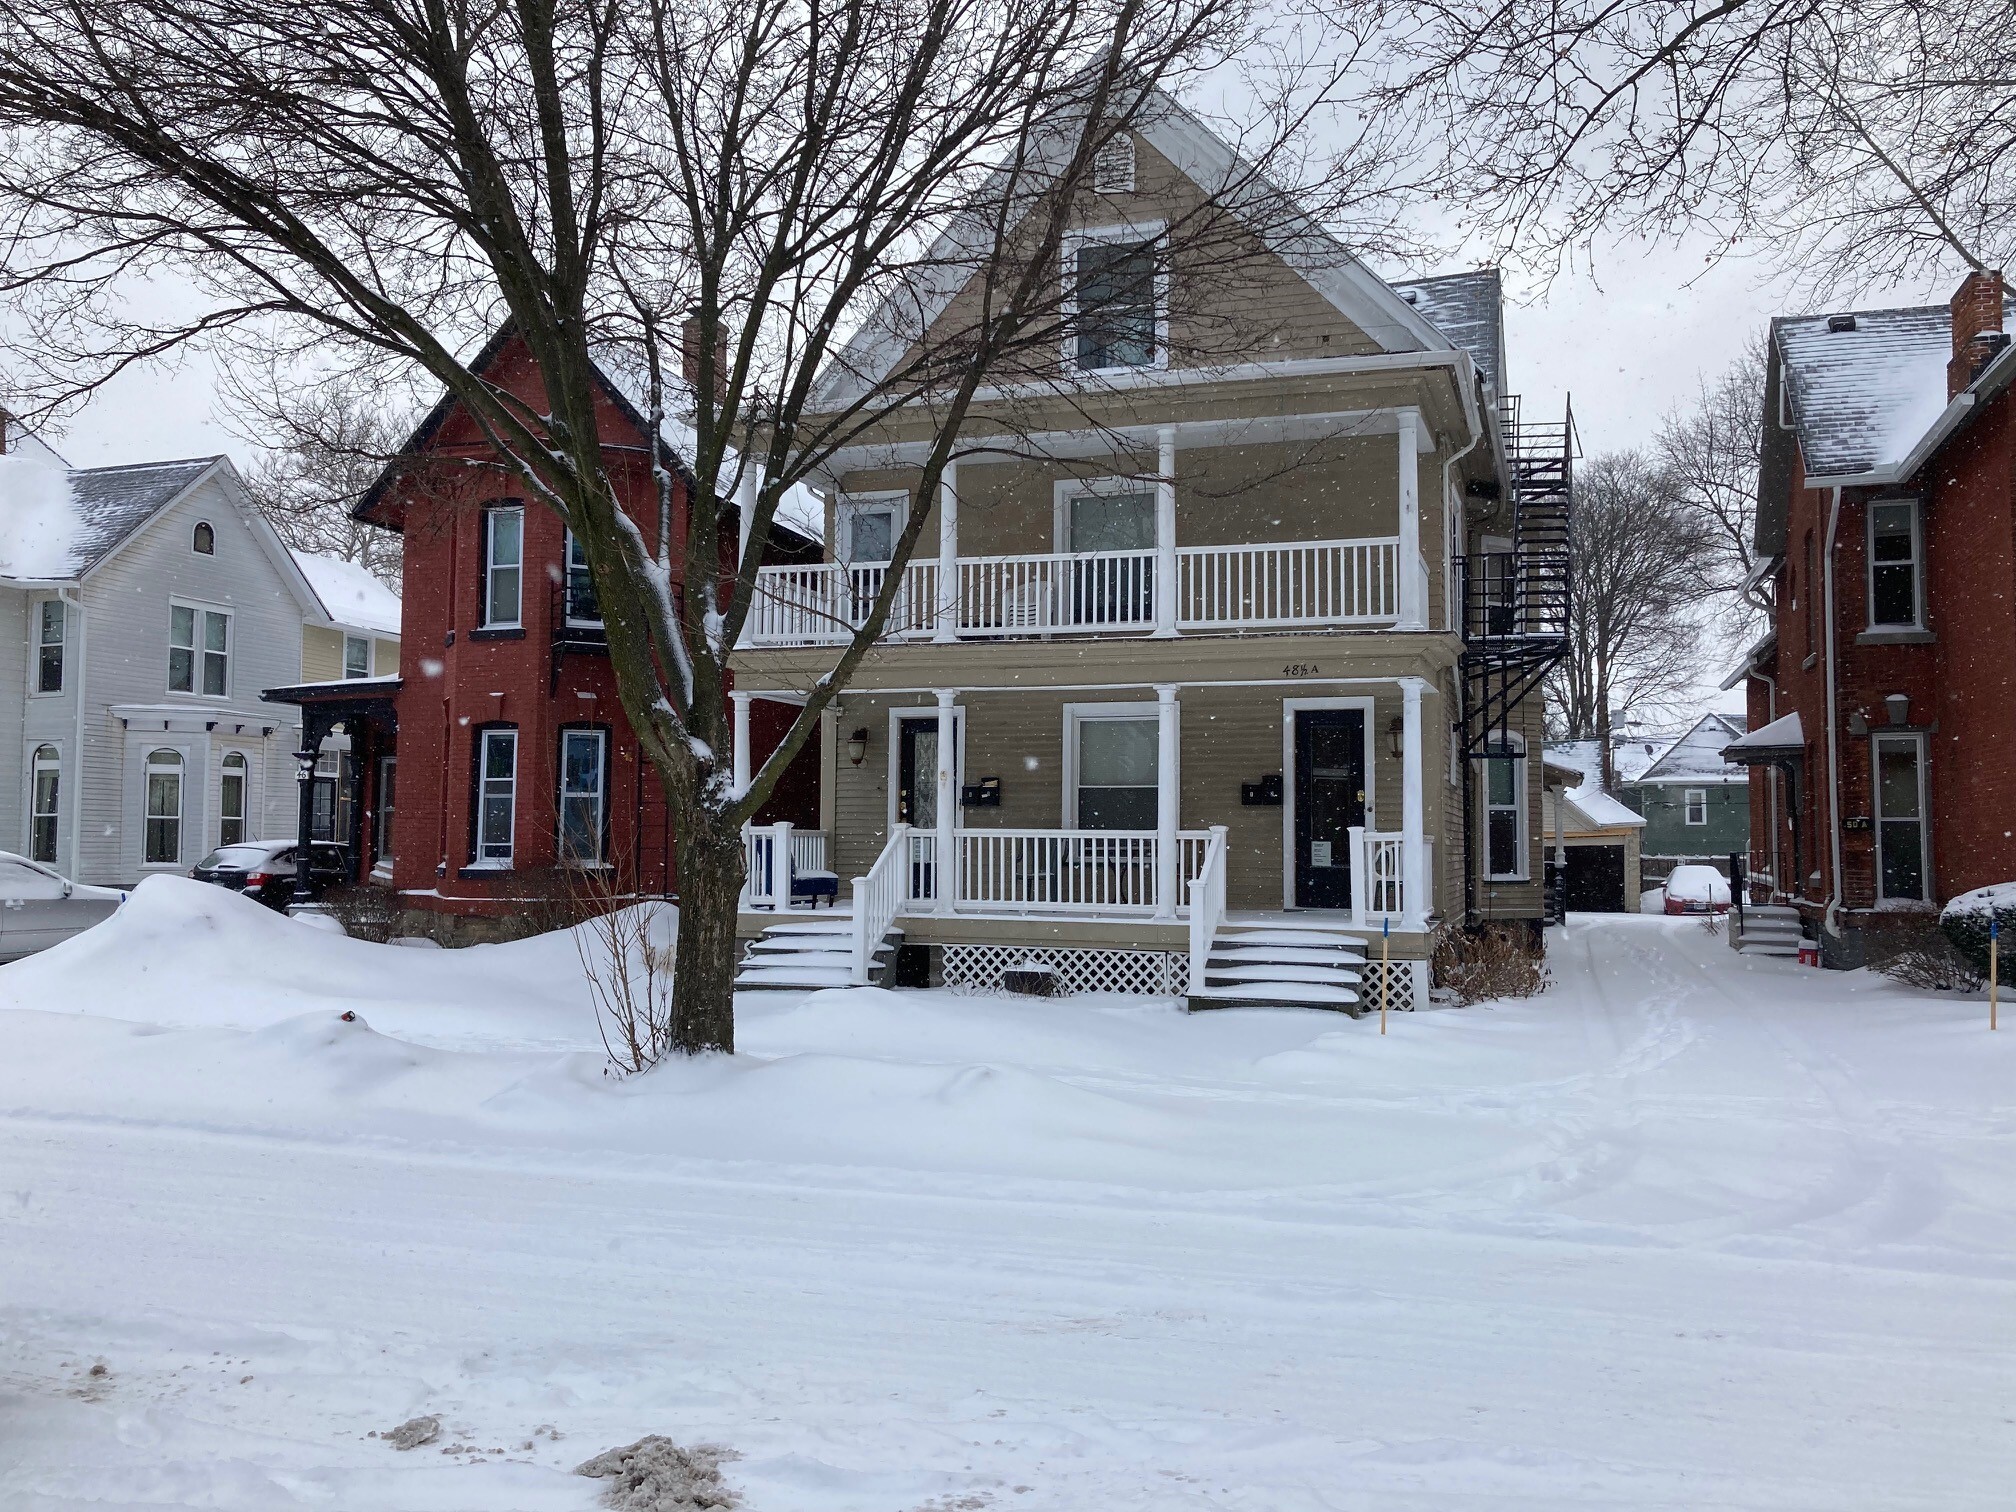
[
  {"x": 1396, "y": 737},
  {"x": 857, "y": 746}
]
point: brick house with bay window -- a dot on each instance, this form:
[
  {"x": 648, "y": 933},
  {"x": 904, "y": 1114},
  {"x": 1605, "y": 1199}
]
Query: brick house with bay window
[
  {"x": 499, "y": 751},
  {"x": 1880, "y": 705}
]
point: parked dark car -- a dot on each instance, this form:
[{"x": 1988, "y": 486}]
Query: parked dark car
[{"x": 264, "y": 869}]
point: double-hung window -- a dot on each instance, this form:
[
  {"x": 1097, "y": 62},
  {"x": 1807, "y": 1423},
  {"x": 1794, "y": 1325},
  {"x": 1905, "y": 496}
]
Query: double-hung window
[
  {"x": 49, "y": 646},
  {"x": 1900, "y": 816},
  {"x": 583, "y": 794},
  {"x": 1895, "y": 599},
  {"x": 582, "y": 606},
  {"x": 231, "y": 799},
  {"x": 1116, "y": 773},
  {"x": 199, "y": 651},
  {"x": 1505, "y": 809},
  {"x": 163, "y": 826},
  {"x": 503, "y": 566},
  {"x": 42, "y": 819},
  {"x": 1696, "y": 802},
  {"x": 496, "y": 795},
  {"x": 356, "y": 656},
  {"x": 1116, "y": 299}
]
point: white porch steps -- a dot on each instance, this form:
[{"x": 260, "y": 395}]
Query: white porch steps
[
  {"x": 1767, "y": 930},
  {"x": 806, "y": 953},
  {"x": 1306, "y": 965}
]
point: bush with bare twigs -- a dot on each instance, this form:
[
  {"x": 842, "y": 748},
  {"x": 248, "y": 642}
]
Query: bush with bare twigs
[
  {"x": 1486, "y": 962},
  {"x": 366, "y": 913},
  {"x": 626, "y": 953},
  {"x": 1913, "y": 951}
]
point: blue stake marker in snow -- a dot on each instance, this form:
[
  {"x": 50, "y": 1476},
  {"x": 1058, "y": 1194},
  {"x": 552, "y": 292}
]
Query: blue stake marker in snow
[{"x": 1385, "y": 970}]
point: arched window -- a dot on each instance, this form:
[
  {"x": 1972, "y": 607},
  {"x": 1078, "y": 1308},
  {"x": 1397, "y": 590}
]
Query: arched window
[
  {"x": 42, "y": 815},
  {"x": 205, "y": 539},
  {"x": 164, "y": 808},
  {"x": 231, "y": 800}
]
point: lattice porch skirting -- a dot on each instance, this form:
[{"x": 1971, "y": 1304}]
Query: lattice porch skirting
[{"x": 1147, "y": 973}]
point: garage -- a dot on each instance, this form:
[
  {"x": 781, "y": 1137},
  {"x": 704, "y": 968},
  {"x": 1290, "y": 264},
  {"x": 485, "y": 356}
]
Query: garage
[{"x": 1596, "y": 879}]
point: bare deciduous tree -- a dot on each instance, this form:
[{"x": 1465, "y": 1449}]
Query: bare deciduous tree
[
  {"x": 1858, "y": 142},
  {"x": 1631, "y": 630},
  {"x": 1710, "y": 450},
  {"x": 380, "y": 184}
]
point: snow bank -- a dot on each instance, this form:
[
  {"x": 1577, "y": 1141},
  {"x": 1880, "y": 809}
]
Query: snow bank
[{"x": 38, "y": 519}]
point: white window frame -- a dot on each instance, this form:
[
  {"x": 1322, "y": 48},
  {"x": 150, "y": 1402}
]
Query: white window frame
[
  {"x": 385, "y": 816},
  {"x": 1690, "y": 798},
  {"x": 361, "y": 640},
  {"x": 1140, "y": 231},
  {"x": 924, "y": 711},
  {"x": 1519, "y": 757},
  {"x": 578, "y": 621},
  {"x": 195, "y": 532},
  {"x": 181, "y": 814},
  {"x": 1064, "y": 490},
  {"x": 1917, "y": 620},
  {"x": 481, "y": 839},
  {"x": 243, "y": 771},
  {"x": 36, "y": 767},
  {"x": 1079, "y": 714},
  {"x": 491, "y": 566},
  {"x": 1916, "y": 739},
  {"x": 601, "y": 738},
  {"x": 896, "y": 500},
  {"x": 198, "y": 649},
  {"x": 41, "y": 643}
]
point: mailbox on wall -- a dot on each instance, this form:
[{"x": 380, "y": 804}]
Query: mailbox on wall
[
  {"x": 1266, "y": 793},
  {"x": 986, "y": 793}
]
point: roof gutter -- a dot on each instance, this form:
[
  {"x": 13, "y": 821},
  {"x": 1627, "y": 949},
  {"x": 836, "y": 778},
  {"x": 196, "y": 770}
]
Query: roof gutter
[{"x": 1994, "y": 378}]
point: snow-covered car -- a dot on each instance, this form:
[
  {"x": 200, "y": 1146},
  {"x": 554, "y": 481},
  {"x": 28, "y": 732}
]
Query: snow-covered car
[
  {"x": 264, "y": 870},
  {"x": 40, "y": 907},
  {"x": 1694, "y": 889}
]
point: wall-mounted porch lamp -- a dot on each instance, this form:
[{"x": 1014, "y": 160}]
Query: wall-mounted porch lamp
[
  {"x": 1396, "y": 738},
  {"x": 857, "y": 746}
]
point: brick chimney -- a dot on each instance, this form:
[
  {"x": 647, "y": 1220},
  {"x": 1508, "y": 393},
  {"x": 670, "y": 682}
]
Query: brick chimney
[{"x": 1977, "y": 321}]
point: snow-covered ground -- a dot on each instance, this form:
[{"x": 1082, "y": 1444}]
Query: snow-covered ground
[{"x": 1689, "y": 1231}]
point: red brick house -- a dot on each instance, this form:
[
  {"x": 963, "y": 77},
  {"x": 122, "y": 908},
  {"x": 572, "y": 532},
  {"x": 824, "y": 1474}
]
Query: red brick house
[
  {"x": 500, "y": 751},
  {"x": 1883, "y": 701}
]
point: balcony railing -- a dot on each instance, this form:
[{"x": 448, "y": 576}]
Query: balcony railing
[{"x": 1254, "y": 587}]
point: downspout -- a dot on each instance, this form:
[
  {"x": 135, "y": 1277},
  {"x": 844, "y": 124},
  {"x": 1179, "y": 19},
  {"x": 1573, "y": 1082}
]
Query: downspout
[
  {"x": 1452, "y": 608},
  {"x": 1830, "y": 917},
  {"x": 1771, "y": 790},
  {"x": 66, "y": 597}
]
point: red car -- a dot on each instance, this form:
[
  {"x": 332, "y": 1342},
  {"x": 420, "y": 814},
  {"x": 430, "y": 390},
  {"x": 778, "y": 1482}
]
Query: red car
[{"x": 1696, "y": 889}]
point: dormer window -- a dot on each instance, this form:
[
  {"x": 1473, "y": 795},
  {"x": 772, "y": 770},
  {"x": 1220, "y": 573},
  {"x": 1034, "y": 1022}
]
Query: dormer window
[
  {"x": 1116, "y": 303},
  {"x": 1113, "y": 166},
  {"x": 203, "y": 540}
]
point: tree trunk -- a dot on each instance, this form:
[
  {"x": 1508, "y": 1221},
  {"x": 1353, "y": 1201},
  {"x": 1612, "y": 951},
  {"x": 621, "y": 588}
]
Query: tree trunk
[{"x": 703, "y": 980}]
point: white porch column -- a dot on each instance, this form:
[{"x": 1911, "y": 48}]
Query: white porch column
[
  {"x": 1412, "y": 610},
  {"x": 1168, "y": 801},
  {"x": 746, "y": 492},
  {"x": 948, "y": 554},
  {"x": 1413, "y": 782},
  {"x": 948, "y": 803},
  {"x": 741, "y": 741},
  {"x": 1165, "y": 532}
]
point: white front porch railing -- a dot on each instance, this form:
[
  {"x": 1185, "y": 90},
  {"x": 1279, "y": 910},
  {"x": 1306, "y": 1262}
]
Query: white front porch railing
[
  {"x": 765, "y": 883},
  {"x": 878, "y": 897},
  {"x": 1260, "y": 586},
  {"x": 1038, "y": 871},
  {"x": 1207, "y": 904},
  {"x": 1378, "y": 890}
]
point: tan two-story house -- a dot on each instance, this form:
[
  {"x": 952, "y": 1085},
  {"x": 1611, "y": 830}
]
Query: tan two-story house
[{"x": 1177, "y": 696}]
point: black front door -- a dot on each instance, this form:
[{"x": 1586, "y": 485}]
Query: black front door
[
  {"x": 1329, "y": 799},
  {"x": 917, "y": 796}
]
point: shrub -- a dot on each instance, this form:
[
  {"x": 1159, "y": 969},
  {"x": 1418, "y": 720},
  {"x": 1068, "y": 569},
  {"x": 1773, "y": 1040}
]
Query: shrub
[
  {"x": 1914, "y": 950},
  {"x": 1965, "y": 921},
  {"x": 1487, "y": 961},
  {"x": 366, "y": 913}
]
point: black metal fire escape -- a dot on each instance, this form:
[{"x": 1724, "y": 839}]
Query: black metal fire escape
[{"x": 1515, "y": 602}]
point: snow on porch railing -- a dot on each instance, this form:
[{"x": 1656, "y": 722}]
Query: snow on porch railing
[
  {"x": 765, "y": 884},
  {"x": 1294, "y": 583},
  {"x": 829, "y": 601},
  {"x": 1206, "y": 892},
  {"x": 878, "y": 897}
]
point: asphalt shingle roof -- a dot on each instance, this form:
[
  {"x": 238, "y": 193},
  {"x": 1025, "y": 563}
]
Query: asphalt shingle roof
[
  {"x": 113, "y": 502},
  {"x": 1468, "y": 309}
]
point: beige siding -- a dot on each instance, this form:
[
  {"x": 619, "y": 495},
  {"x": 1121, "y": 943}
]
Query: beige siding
[
  {"x": 384, "y": 657},
  {"x": 321, "y": 654}
]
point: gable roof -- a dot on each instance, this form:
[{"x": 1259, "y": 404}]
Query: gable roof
[
  {"x": 1469, "y": 309},
  {"x": 1207, "y": 160},
  {"x": 351, "y": 596},
  {"x": 1588, "y": 798},
  {"x": 1695, "y": 756},
  {"x": 1862, "y": 397},
  {"x": 58, "y": 524}
]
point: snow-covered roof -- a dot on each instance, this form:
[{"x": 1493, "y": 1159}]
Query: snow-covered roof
[
  {"x": 1468, "y": 308},
  {"x": 350, "y": 595},
  {"x": 1784, "y": 733},
  {"x": 1695, "y": 757},
  {"x": 1862, "y": 396},
  {"x": 57, "y": 525},
  {"x": 1588, "y": 798}
]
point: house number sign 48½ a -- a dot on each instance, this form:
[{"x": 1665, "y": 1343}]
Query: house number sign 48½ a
[{"x": 1301, "y": 669}]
